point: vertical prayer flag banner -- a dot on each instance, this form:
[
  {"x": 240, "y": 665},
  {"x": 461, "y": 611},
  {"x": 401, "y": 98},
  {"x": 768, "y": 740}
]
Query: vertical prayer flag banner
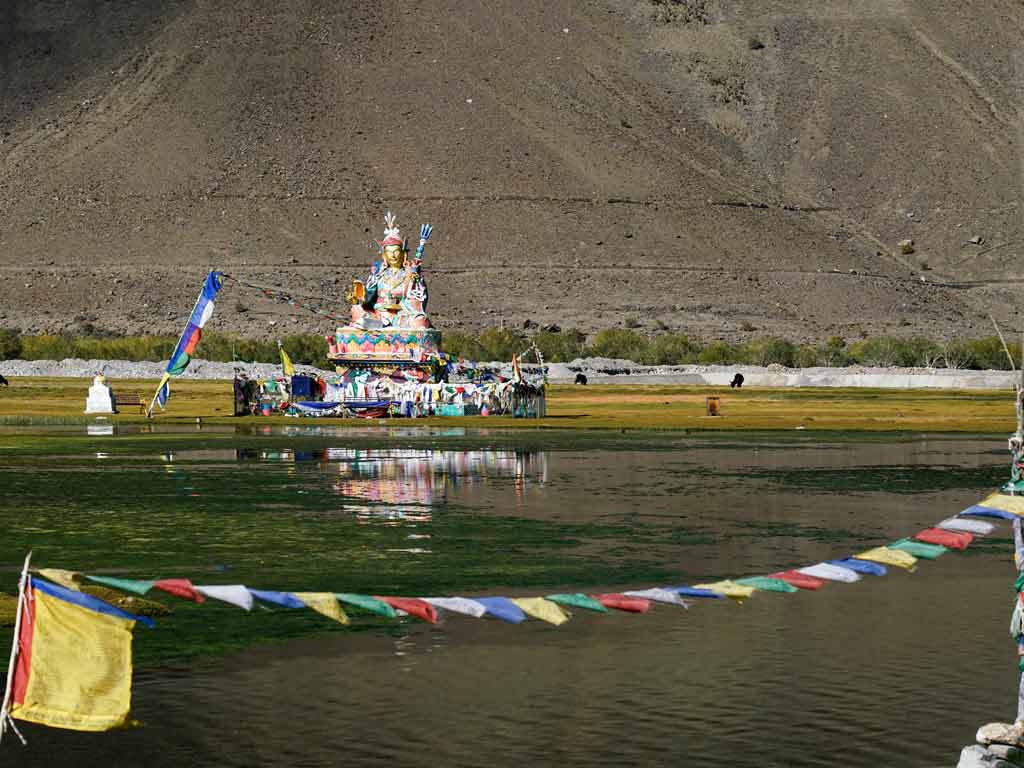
[
  {"x": 286, "y": 362},
  {"x": 74, "y": 662},
  {"x": 190, "y": 337}
]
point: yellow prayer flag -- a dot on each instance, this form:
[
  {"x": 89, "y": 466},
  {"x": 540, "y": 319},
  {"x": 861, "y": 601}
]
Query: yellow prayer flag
[
  {"x": 542, "y": 609},
  {"x": 887, "y": 556},
  {"x": 67, "y": 579},
  {"x": 729, "y": 589},
  {"x": 286, "y": 362},
  {"x": 74, "y": 668},
  {"x": 325, "y": 603},
  {"x": 1014, "y": 504}
]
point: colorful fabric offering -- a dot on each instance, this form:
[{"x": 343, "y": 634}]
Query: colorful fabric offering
[
  {"x": 367, "y": 603},
  {"x": 1013, "y": 504},
  {"x": 623, "y": 603},
  {"x": 502, "y": 608},
  {"x": 976, "y": 527},
  {"x": 729, "y": 588},
  {"x": 830, "y": 572},
  {"x": 658, "y": 595},
  {"x": 797, "y": 579},
  {"x": 861, "y": 566},
  {"x": 542, "y": 609},
  {"x": 74, "y": 662},
  {"x": 462, "y": 605},
  {"x": 888, "y": 556},
  {"x": 324, "y": 603},
  {"x": 578, "y": 600},
  {"x": 767, "y": 584},
  {"x": 235, "y": 594},
  {"x": 66, "y": 579},
  {"x": 413, "y": 606},
  {"x": 284, "y": 599},
  {"x": 979, "y": 511},
  {"x": 182, "y": 588},
  {"x": 135, "y": 586},
  {"x": 948, "y": 539},
  {"x": 918, "y": 549},
  {"x": 695, "y": 592}
]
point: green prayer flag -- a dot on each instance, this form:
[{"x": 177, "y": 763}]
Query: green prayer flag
[
  {"x": 767, "y": 584},
  {"x": 579, "y": 600},
  {"x": 919, "y": 548},
  {"x": 125, "y": 585},
  {"x": 367, "y": 603},
  {"x": 1018, "y": 585}
]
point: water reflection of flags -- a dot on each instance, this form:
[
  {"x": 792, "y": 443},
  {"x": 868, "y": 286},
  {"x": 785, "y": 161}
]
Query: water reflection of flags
[{"x": 190, "y": 337}]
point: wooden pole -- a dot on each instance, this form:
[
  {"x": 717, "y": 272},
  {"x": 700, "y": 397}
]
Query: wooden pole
[{"x": 5, "y": 718}]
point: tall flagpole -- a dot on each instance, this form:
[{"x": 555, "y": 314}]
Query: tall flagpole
[{"x": 5, "y": 717}]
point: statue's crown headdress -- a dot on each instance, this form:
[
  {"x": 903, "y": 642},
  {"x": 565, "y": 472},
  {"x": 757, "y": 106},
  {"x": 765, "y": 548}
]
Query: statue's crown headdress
[{"x": 392, "y": 235}]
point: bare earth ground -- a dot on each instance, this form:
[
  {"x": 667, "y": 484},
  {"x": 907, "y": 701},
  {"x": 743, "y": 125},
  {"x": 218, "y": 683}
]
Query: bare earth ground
[{"x": 725, "y": 168}]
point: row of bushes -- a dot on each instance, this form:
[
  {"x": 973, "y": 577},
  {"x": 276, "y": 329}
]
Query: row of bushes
[{"x": 501, "y": 344}]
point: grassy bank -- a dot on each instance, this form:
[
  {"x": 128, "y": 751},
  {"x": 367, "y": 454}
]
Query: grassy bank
[{"x": 591, "y": 407}]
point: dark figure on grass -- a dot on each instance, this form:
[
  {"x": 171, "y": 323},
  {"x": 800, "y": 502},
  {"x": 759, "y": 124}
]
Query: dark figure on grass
[
  {"x": 580, "y": 379},
  {"x": 3, "y": 381},
  {"x": 737, "y": 381}
]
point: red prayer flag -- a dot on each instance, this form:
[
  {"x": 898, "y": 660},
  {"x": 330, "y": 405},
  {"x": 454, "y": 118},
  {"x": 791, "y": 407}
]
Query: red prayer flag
[
  {"x": 950, "y": 539},
  {"x": 800, "y": 580},
  {"x": 180, "y": 588},
  {"x": 411, "y": 605},
  {"x": 624, "y": 603}
]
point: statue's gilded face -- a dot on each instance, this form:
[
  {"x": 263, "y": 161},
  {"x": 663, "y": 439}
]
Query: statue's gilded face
[{"x": 393, "y": 256}]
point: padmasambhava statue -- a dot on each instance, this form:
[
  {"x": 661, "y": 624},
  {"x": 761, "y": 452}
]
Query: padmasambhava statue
[
  {"x": 389, "y": 331},
  {"x": 394, "y": 295}
]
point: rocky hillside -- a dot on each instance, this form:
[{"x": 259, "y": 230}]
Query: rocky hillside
[{"x": 726, "y": 168}]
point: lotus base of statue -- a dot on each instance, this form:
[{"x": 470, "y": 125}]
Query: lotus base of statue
[{"x": 385, "y": 350}]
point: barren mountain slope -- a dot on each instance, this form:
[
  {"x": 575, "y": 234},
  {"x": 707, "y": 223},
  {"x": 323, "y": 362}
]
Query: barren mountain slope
[{"x": 706, "y": 166}]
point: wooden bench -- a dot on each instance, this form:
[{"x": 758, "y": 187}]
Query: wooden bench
[{"x": 128, "y": 398}]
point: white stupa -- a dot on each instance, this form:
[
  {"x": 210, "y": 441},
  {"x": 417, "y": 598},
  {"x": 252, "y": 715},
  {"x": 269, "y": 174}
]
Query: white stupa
[{"x": 99, "y": 396}]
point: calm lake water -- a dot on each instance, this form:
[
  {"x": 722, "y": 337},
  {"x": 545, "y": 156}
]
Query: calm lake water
[{"x": 898, "y": 670}]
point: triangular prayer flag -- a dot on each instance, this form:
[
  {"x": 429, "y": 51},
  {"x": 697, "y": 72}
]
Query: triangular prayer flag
[
  {"x": 183, "y": 588},
  {"x": 887, "y": 556},
  {"x": 502, "y": 608},
  {"x": 461, "y": 605},
  {"x": 623, "y": 603},
  {"x": 367, "y": 603},
  {"x": 918, "y": 549},
  {"x": 861, "y": 566},
  {"x": 767, "y": 584},
  {"x": 67, "y": 579},
  {"x": 578, "y": 600},
  {"x": 135, "y": 586},
  {"x": 659, "y": 595},
  {"x": 542, "y": 609},
  {"x": 729, "y": 588},
  {"x": 797, "y": 579},
  {"x": 413, "y": 606},
  {"x": 830, "y": 572},
  {"x": 235, "y": 594},
  {"x": 323, "y": 603},
  {"x": 284, "y": 599}
]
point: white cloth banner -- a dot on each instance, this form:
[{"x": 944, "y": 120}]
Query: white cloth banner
[
  {"x": 458, "y": 605},
  {"x": 963, "y": 525},
  {"x": 659, "y": 596},
  {"x": 830, "y": 572},
  {"x": 235, "y": 594}
]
